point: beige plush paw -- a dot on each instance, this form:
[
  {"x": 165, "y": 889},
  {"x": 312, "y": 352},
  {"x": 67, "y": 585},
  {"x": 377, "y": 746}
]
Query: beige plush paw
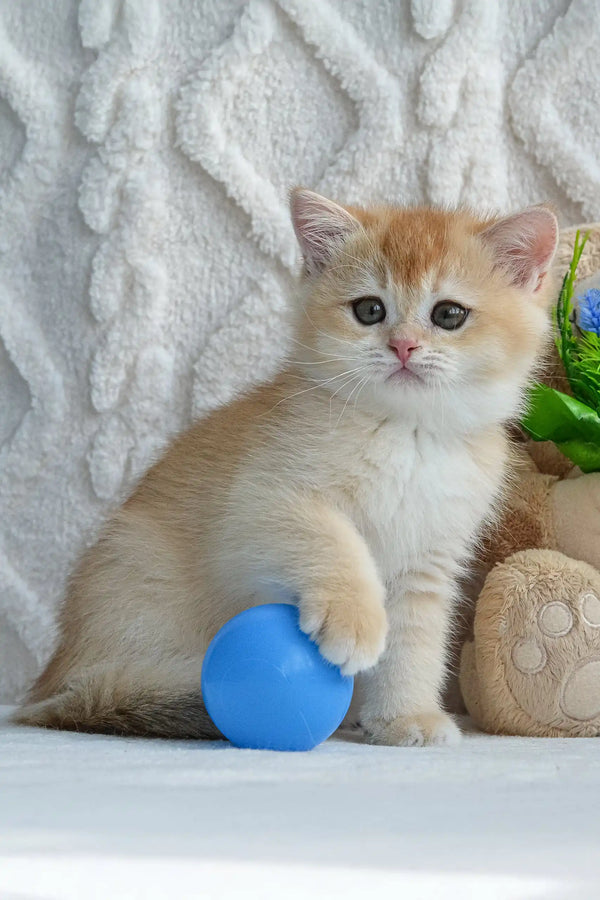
[
  {"x": 422, "y": 730},
  {"x": 350, "y": 628},
  {"x": 534, "y": 667}
]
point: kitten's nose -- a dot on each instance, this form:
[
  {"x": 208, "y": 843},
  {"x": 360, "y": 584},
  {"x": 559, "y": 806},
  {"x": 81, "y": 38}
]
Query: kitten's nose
[{"x": 403, "y": 347}]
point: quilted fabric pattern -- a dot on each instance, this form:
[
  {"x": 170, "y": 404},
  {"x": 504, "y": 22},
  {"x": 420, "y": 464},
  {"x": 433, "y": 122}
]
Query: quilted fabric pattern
[{"x": 146, "y": 148}]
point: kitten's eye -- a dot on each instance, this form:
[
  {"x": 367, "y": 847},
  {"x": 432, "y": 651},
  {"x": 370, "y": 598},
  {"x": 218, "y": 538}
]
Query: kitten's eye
[
  {"x": 449, "y": 315},
  {"x": 369, "y": 310}
]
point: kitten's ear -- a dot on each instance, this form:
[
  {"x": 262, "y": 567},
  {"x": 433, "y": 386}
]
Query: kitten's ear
[
  {"x": 320, "y": 225},
  {"x": 524, "y": 245}
]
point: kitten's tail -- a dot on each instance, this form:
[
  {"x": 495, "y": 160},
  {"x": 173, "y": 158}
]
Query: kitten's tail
[{"x": 146, "y": 713}]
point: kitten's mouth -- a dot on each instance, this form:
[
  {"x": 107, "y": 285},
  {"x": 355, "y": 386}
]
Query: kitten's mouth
[{"x": 401, "y": 373}]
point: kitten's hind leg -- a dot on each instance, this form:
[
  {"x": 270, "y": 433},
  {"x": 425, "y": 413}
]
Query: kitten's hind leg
[{"x": 162, "y": 700}]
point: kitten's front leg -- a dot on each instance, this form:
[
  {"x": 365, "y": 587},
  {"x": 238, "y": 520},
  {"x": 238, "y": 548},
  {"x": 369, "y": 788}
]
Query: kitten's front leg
[
  {"x": 403, "y": 693},
  {"x": 317, "y": 553},
  {"x": 341, "y": 597}
]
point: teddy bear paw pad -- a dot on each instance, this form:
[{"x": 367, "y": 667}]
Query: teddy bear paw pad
[
  {"x": 528, "y": 656},
  {"x": 552, "y": 663},
  {"x": 590, "y": 610},
  {"x": 580, "y": 697},
  {"x": 555, "y": 619},
  {"x": 581, "y": 694}
]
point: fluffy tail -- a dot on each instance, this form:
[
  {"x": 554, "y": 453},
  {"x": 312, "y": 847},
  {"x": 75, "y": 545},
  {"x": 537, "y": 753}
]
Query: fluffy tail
[{"x": 139, "y": 713}]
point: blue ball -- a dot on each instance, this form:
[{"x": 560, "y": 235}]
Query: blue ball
[{"x": 266, "y": 686}]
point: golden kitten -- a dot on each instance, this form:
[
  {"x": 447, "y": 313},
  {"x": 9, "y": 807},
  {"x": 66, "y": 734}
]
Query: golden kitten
[{"x": 356, "y": 481}]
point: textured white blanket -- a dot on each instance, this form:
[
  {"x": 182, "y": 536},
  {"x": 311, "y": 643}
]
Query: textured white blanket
[{"x": 146, "y": 147}]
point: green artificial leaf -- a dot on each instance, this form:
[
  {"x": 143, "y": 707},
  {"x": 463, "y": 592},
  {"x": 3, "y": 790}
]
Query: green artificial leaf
[
  {"x": 573, "y": 426},
  {"x": 585, "y": 370},
  {"x": 573, "y": 423},
  {"x": 583, "y": 454},
  {"x": 566, "y": 342}
]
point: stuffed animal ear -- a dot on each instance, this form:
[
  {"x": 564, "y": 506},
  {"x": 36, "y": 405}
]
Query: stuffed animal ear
[
  {"x": 524, "y": 245},
  {"x": 321, "y": 226}
]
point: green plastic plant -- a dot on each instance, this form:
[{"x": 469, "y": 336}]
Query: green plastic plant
[{"x": 573, "y": 423}]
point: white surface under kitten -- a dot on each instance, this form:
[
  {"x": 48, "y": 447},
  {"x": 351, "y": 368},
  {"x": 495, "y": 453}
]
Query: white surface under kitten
[{"x": 494, "y": 819}]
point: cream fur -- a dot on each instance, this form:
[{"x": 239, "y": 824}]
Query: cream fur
[{"x": 355, "y": 488}]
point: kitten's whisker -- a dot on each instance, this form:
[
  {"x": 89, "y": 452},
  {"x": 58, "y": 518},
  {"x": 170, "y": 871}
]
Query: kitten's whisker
[
  {"x": 313, "y": 349},
  {"x": 340, "y": 388},
  {"x": 354, "y": 267},
  {"x": 344, "y": 385},
  {"x": 314, "y": 387},
  {"x": 346, "y": 404},
  {"x": 363, "y": 384},
  {"x": 324, "y": 362},
  {"x": 330, "y": 337},
  {"x": 437, "y": 389},
  {"x": 353, "y": 375}
]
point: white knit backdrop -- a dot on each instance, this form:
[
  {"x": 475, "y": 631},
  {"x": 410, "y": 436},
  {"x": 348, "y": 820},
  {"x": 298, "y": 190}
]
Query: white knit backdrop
[{"x": 146, "y": 147}]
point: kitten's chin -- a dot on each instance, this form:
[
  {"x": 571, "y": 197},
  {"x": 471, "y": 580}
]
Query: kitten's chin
[
  {"x": 442, "y": 402},
  {"x": 401, "y": 393}
]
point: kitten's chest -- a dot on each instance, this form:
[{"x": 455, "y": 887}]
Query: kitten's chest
[{"x": 413, "y": 495}]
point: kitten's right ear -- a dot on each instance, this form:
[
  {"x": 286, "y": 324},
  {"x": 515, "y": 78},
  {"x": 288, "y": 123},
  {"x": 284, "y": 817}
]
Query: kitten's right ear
[{"x": 321, "y": 226}]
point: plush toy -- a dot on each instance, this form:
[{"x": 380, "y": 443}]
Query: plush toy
[{"x": 531, "y": 665}]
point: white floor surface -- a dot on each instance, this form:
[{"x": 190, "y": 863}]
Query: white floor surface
[{"x": 86, "y": 816}]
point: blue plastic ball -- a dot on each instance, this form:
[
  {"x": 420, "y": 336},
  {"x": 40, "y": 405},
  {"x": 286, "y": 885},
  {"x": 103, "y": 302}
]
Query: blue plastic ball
[{"x": 266, "y": 686}]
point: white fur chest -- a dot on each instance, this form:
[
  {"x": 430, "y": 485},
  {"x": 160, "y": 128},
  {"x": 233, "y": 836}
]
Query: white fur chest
[{"x": 413, "y": 495}]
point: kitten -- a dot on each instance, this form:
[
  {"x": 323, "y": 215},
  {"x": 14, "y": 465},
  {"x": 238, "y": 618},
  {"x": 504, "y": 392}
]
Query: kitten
[{"x": 357, "y": 480}]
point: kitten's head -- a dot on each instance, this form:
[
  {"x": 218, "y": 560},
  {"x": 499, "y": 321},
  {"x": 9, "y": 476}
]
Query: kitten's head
[{"x": 423, "y": 312}]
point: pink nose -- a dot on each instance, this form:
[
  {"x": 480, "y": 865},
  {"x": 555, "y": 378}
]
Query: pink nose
[{"x": 403, "y": 347}]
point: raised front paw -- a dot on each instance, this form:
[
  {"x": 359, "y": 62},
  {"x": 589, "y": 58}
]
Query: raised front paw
[
  {"x": 421, "y": 730},
  {"x": 349, "y": 627}
]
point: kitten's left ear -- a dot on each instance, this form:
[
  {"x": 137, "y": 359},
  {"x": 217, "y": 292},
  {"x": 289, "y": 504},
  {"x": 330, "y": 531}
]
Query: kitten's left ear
[
  {"x": 321, "y": 226},
  {"x": 524, "y": 245}
]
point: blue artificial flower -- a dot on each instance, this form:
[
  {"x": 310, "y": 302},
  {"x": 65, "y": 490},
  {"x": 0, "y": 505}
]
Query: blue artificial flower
[{"x": 589, "y": 311}]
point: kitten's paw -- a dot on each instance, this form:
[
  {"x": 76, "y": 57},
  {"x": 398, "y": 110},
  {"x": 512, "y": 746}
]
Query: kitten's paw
[
  {"x": 350, "y": 630},
  {"x": 426, "y": 729}
]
